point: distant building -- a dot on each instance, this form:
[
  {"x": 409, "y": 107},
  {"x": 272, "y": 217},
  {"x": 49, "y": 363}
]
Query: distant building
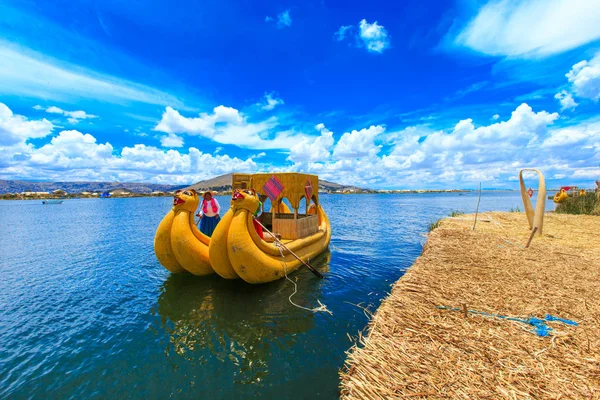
[
  {"x": 35, "y": 194},
  {"x": 157, "y": 193},
  {"x": 59, "y": 192},
  {"x": 120, "y": 192}
]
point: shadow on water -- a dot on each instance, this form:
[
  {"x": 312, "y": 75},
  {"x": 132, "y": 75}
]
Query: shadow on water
[{"x": 208, "y": 318}]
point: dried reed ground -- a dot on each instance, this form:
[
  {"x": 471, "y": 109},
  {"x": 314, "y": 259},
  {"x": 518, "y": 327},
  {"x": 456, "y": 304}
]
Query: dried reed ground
[{"x": 415, "y": 350}]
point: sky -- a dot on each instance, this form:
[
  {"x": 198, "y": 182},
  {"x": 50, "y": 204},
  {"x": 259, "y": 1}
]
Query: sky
[{"x": 381, "y": 94}]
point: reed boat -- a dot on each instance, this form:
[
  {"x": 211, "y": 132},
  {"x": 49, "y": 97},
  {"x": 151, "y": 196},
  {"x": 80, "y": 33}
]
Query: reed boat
[
  {"x": 256, "y": 249},
  {"x": 560, "y": 196},
  {"x": 46, "y": 202}
]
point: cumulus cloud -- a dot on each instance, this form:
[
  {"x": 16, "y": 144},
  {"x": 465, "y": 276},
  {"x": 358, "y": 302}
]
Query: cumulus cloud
[
  {"x": 15, "y": 129},
  {"x": 72, "y": 150},
  {"x": 226, "y": 125},
  {"x": 464, "y": 154},
  {"x": 566, "y": 100},
  {"x": 171, "y": 140},
  {"x": 72, "y": 116},
  {"x": 358, "y": 144},
  {"x": 531, "y": 28},
  {"x": 270, "y": 101},
  {"x": 313, "y": 150},
  {"x": 585, "y": 78},
  {"x": 373, "y": 37}
]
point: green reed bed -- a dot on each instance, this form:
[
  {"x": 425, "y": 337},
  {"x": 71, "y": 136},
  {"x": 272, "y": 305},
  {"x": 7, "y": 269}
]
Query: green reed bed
[{"x": 582, "y": 205}]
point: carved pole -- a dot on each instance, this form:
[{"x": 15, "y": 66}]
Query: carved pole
[{"x": 535, "y": 219}]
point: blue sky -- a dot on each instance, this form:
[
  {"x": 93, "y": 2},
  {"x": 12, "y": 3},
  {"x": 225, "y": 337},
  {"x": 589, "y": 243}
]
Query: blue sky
[{"x": 413, "y": 94}]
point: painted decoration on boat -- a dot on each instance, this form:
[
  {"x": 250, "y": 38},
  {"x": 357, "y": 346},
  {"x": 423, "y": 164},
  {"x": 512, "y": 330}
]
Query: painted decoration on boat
[
  {"x": 308, "y": 190},
  {"x": 273, "y": 188}
]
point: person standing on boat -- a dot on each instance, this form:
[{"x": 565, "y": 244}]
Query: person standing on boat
[{"x": 209, "y": 214}]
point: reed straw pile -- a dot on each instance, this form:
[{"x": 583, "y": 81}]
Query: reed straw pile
[{"x": 414, "y": 349}]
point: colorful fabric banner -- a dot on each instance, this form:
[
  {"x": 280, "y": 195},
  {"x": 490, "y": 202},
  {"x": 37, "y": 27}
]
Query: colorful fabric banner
[
  {"x": 273, "y": 188},
  {"x": 530, "y": 192},
  {"x": 308, "y": 191}
]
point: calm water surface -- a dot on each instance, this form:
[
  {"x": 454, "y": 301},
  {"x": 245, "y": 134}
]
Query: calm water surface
[{"x": 86, "y": 310}]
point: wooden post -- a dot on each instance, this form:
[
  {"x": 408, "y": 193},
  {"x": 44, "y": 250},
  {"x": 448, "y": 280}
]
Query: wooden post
[
  {"x": 531, "y": 236},
  {"x": 477, "y": 209},
  {"x": 464, "y": 310}
]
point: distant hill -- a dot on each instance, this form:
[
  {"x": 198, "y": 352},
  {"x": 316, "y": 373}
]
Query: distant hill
[
  {"x": 220, "y": 184},
  {"x": 78, "y": 187},
  {"x": 223, "y": 183}
]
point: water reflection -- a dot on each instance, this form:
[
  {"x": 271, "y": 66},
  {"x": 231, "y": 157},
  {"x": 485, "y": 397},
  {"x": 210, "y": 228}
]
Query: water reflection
[{"x": 236, "y": 323}]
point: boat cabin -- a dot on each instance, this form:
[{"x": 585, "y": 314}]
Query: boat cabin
[{"x": 301, "y": 192}]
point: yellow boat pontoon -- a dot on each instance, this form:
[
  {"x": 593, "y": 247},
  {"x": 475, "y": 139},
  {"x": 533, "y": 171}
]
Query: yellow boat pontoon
[{"x": 255, "y": 249}]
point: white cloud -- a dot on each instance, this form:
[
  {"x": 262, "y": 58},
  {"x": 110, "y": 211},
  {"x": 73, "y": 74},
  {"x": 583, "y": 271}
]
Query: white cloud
[
  {"x": 374, "y": 36},
  {"x": 465, "y": 154},
  {"x": 72, "y": 150},
  {"x": 76, "y": 156},
  {"x": 583, "y": 135},
  {"x": 227, "y": 125},
  {"x": 313, "y": 150},
  {"x": 343, "y": 32},
  {"x": 284, "y": 19},
  {"x": 566, "y": 100},
  {"x": 28, "y": 74},
  {"x": 73, "y": 116},
  {"x": 496, "y": 117},
  {"x": 358, "y": 144},
  {"x": 171, "y": 140},
  {"x": 585, "y": 77},
  {"x": 270, "y": 101},
  {"x": 531, "y": 28},
  {"x": 15, "y": 129}
]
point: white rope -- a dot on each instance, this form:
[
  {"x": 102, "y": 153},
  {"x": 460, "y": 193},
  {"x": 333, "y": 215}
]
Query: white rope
[{"x": 322, "y": 307}]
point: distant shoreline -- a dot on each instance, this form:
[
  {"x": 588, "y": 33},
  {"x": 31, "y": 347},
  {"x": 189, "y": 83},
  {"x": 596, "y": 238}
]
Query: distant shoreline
[{"x": 227, "y": 193}]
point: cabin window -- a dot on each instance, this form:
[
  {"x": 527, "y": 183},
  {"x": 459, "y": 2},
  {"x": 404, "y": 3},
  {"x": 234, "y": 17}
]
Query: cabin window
[
  {"x": 266, "y": 204},
  {"x": 288, "y": 204},
  {"x": 302, "y": 206}
]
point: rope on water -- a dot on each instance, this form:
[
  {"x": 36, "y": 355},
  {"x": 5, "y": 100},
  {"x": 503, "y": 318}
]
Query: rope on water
[
  {"x": 322, "y": 307},
  {"x": 539, "y": 325}
]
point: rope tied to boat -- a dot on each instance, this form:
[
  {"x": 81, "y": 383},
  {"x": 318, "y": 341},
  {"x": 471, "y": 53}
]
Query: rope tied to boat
[{"x": 322, "y": 307}]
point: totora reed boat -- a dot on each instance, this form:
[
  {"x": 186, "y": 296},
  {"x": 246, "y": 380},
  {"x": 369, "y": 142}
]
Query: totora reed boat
[{"x": 257, "y": 249}]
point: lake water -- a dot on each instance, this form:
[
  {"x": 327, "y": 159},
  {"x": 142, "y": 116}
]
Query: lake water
[{"x": 86, "y": 310}]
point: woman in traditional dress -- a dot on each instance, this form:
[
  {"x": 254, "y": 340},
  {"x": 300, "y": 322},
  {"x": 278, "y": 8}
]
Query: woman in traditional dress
[{"x": 209, "y": 214}]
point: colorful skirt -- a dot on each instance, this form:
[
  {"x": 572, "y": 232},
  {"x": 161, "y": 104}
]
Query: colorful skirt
[{"x": 208, "y": 224}]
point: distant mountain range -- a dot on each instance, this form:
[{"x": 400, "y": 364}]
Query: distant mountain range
[
  {"x": 78, "y": 187},
  {"x": 220, "y": 183},
  {"x": 223, "y": 183}
]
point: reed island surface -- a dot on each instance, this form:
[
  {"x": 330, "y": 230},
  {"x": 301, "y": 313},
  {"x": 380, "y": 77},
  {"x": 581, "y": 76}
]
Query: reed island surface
[{"x": 479, "y": 315}]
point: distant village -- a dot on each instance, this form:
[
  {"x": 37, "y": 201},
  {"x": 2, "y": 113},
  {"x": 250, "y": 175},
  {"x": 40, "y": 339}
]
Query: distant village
[{"x": 62, "y": 194}]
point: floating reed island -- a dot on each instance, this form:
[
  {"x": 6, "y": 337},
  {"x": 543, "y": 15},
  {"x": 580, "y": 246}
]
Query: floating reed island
[{"x": 479, "y": 315}]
